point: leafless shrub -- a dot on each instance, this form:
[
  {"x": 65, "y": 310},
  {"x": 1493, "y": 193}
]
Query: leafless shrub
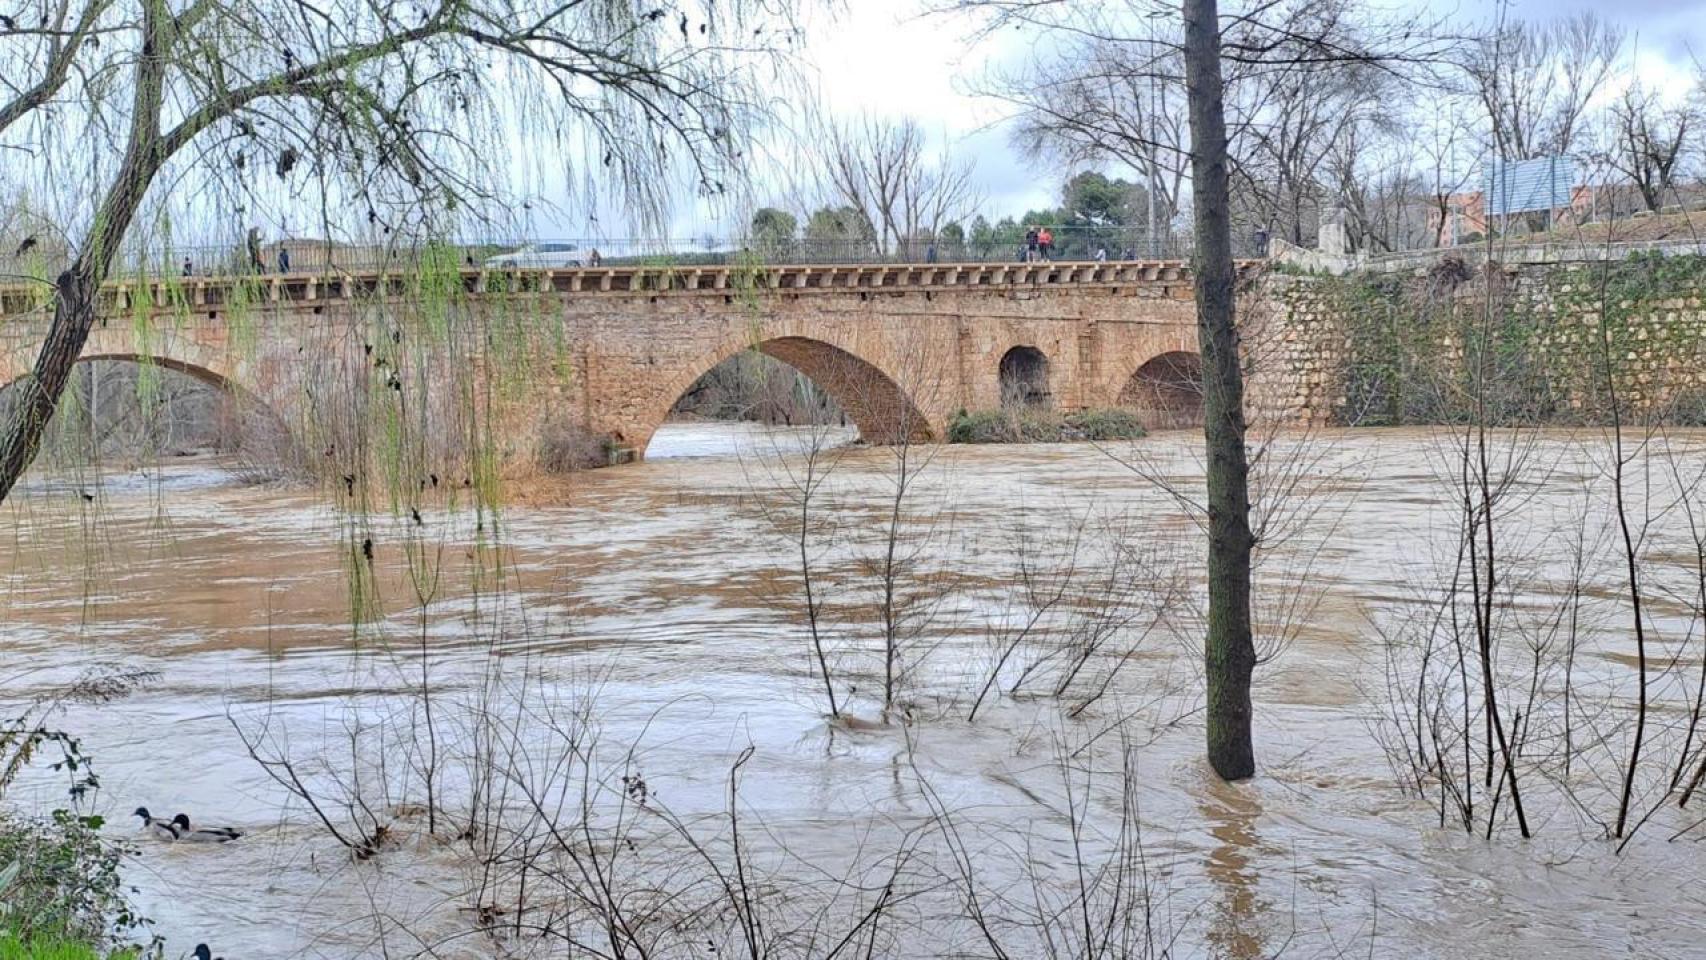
[
  {"x": 259, "y": 445},
  {"x": 565, "y": 447},
  {"x": 799, "y": 477},
  {"x": 34, "y": 731},
  {"x": 1107, "y": 896},
  {"x": 1088, "y": 601}
]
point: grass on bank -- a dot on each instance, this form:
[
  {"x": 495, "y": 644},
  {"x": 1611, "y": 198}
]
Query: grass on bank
[
  {"x": 12, "y": 948},
  {"x": 61, "y": 893}
]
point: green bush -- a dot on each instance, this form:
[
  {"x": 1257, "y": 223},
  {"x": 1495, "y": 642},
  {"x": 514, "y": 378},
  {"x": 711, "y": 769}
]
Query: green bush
[
  {"x": 64, "y": 885},
  {"x": 1042, "y": 426},
  {"x": 1103, "y": 425},
  {"x": 1005, "y": 426},
  {"x": 984, "y": 426}
]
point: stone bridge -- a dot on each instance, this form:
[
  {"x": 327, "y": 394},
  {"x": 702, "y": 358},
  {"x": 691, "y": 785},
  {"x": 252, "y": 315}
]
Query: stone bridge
[{"x": 612, "y": 349}]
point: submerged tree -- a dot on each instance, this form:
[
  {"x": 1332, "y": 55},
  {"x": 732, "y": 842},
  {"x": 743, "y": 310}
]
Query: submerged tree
[
  {"x": 1309, "y": 41},
  {"x": 386, "y": 110},
  {"x": 1229, "y": 647}
]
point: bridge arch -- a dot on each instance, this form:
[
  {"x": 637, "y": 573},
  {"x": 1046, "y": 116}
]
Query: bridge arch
[
  {"x": 1023, "y": 375},
  {"x": 874, "y": 400},
  {"x": 205, "y": 371},
  {"x": 1166, "y": 391}
]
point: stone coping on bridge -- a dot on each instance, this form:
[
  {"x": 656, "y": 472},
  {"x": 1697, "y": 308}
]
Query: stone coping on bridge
[{"x": 204, "y": 292}]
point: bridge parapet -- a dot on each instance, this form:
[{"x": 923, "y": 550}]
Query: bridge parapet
[{"x": 214, "y": 292}]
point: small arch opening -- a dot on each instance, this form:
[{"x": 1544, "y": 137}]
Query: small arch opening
[
  {"x": 1024, "y": 378},
  {"x": 1166, "y": 392}
]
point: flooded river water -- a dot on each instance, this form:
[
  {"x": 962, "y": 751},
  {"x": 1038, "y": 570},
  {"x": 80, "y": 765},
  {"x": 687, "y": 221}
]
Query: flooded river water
[{"x": 659, "y": 604}]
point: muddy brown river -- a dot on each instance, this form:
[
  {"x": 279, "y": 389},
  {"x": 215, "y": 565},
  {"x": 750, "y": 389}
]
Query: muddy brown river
[{"x": 656, "y": 609}]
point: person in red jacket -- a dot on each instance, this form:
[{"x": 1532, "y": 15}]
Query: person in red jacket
[{"x": 1045, "y": 240}]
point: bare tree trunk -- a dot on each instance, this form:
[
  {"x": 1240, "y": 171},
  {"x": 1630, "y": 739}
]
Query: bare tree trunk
[
  {"x": 75, "y": 304},
  {"x": 73, "y": 313},
  {"x": 1229, "y": 649}
]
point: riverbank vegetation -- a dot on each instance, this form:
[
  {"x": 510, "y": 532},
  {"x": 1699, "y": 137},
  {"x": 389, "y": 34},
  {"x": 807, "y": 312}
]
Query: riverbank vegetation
[
  {"x": 62, "y": 895},
  {"x": 1501, "y": 711},
  {"x": 12, "y": 948},
  {"x": 1043, "y": 425}
]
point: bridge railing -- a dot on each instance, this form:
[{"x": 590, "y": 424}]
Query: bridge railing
[{"x": 310, "y": 256}]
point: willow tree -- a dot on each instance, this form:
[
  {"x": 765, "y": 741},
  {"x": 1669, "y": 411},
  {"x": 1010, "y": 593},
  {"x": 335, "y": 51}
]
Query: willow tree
[{"x": 378, "y": 109}]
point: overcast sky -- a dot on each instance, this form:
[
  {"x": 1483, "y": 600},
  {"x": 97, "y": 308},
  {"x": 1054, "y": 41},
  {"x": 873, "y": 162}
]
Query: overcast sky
[{"x": 884, "y": 56}]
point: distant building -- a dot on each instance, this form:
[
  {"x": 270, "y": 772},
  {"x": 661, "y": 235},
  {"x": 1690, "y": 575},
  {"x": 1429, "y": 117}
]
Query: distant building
[{"x": 1464, "y": 218}]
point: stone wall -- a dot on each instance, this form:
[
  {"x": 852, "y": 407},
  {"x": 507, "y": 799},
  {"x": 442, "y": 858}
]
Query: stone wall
[
  {"x": 1293, "y": 337},
  {"x": 1382, "y": 348}
]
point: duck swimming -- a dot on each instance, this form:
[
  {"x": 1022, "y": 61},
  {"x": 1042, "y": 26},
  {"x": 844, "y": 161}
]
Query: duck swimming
[
  {"x": 202, "y": 953},
  {"x": 158, "y": 829},
  {"x": 181, "y": 823}
]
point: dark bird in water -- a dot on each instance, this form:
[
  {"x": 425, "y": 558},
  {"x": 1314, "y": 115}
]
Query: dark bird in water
[
  {"x": 202, "y": 834},
  {"x": 86, "y": 495},
  {"x": 25, "y": 247},
  {"x": 367, "y": 548},
  {"x": 202, "y": 953},
  {"x": 417, "y": 515},
  {"x": 158, "y": 829}
]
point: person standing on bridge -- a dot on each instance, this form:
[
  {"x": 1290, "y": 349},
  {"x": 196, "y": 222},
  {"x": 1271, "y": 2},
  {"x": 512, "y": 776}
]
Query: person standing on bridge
[
  {"x": 1045, "y": 243},
  {"x": 1031, "y": 241},
  {"x": 930, "y": 253},
  {"x": 283, "y": 259},
  {"x": 1101, "y": 254}
]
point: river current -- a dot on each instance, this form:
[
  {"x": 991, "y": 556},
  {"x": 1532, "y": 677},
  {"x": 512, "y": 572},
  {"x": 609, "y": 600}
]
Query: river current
[{"x": 662, "y": 599}]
